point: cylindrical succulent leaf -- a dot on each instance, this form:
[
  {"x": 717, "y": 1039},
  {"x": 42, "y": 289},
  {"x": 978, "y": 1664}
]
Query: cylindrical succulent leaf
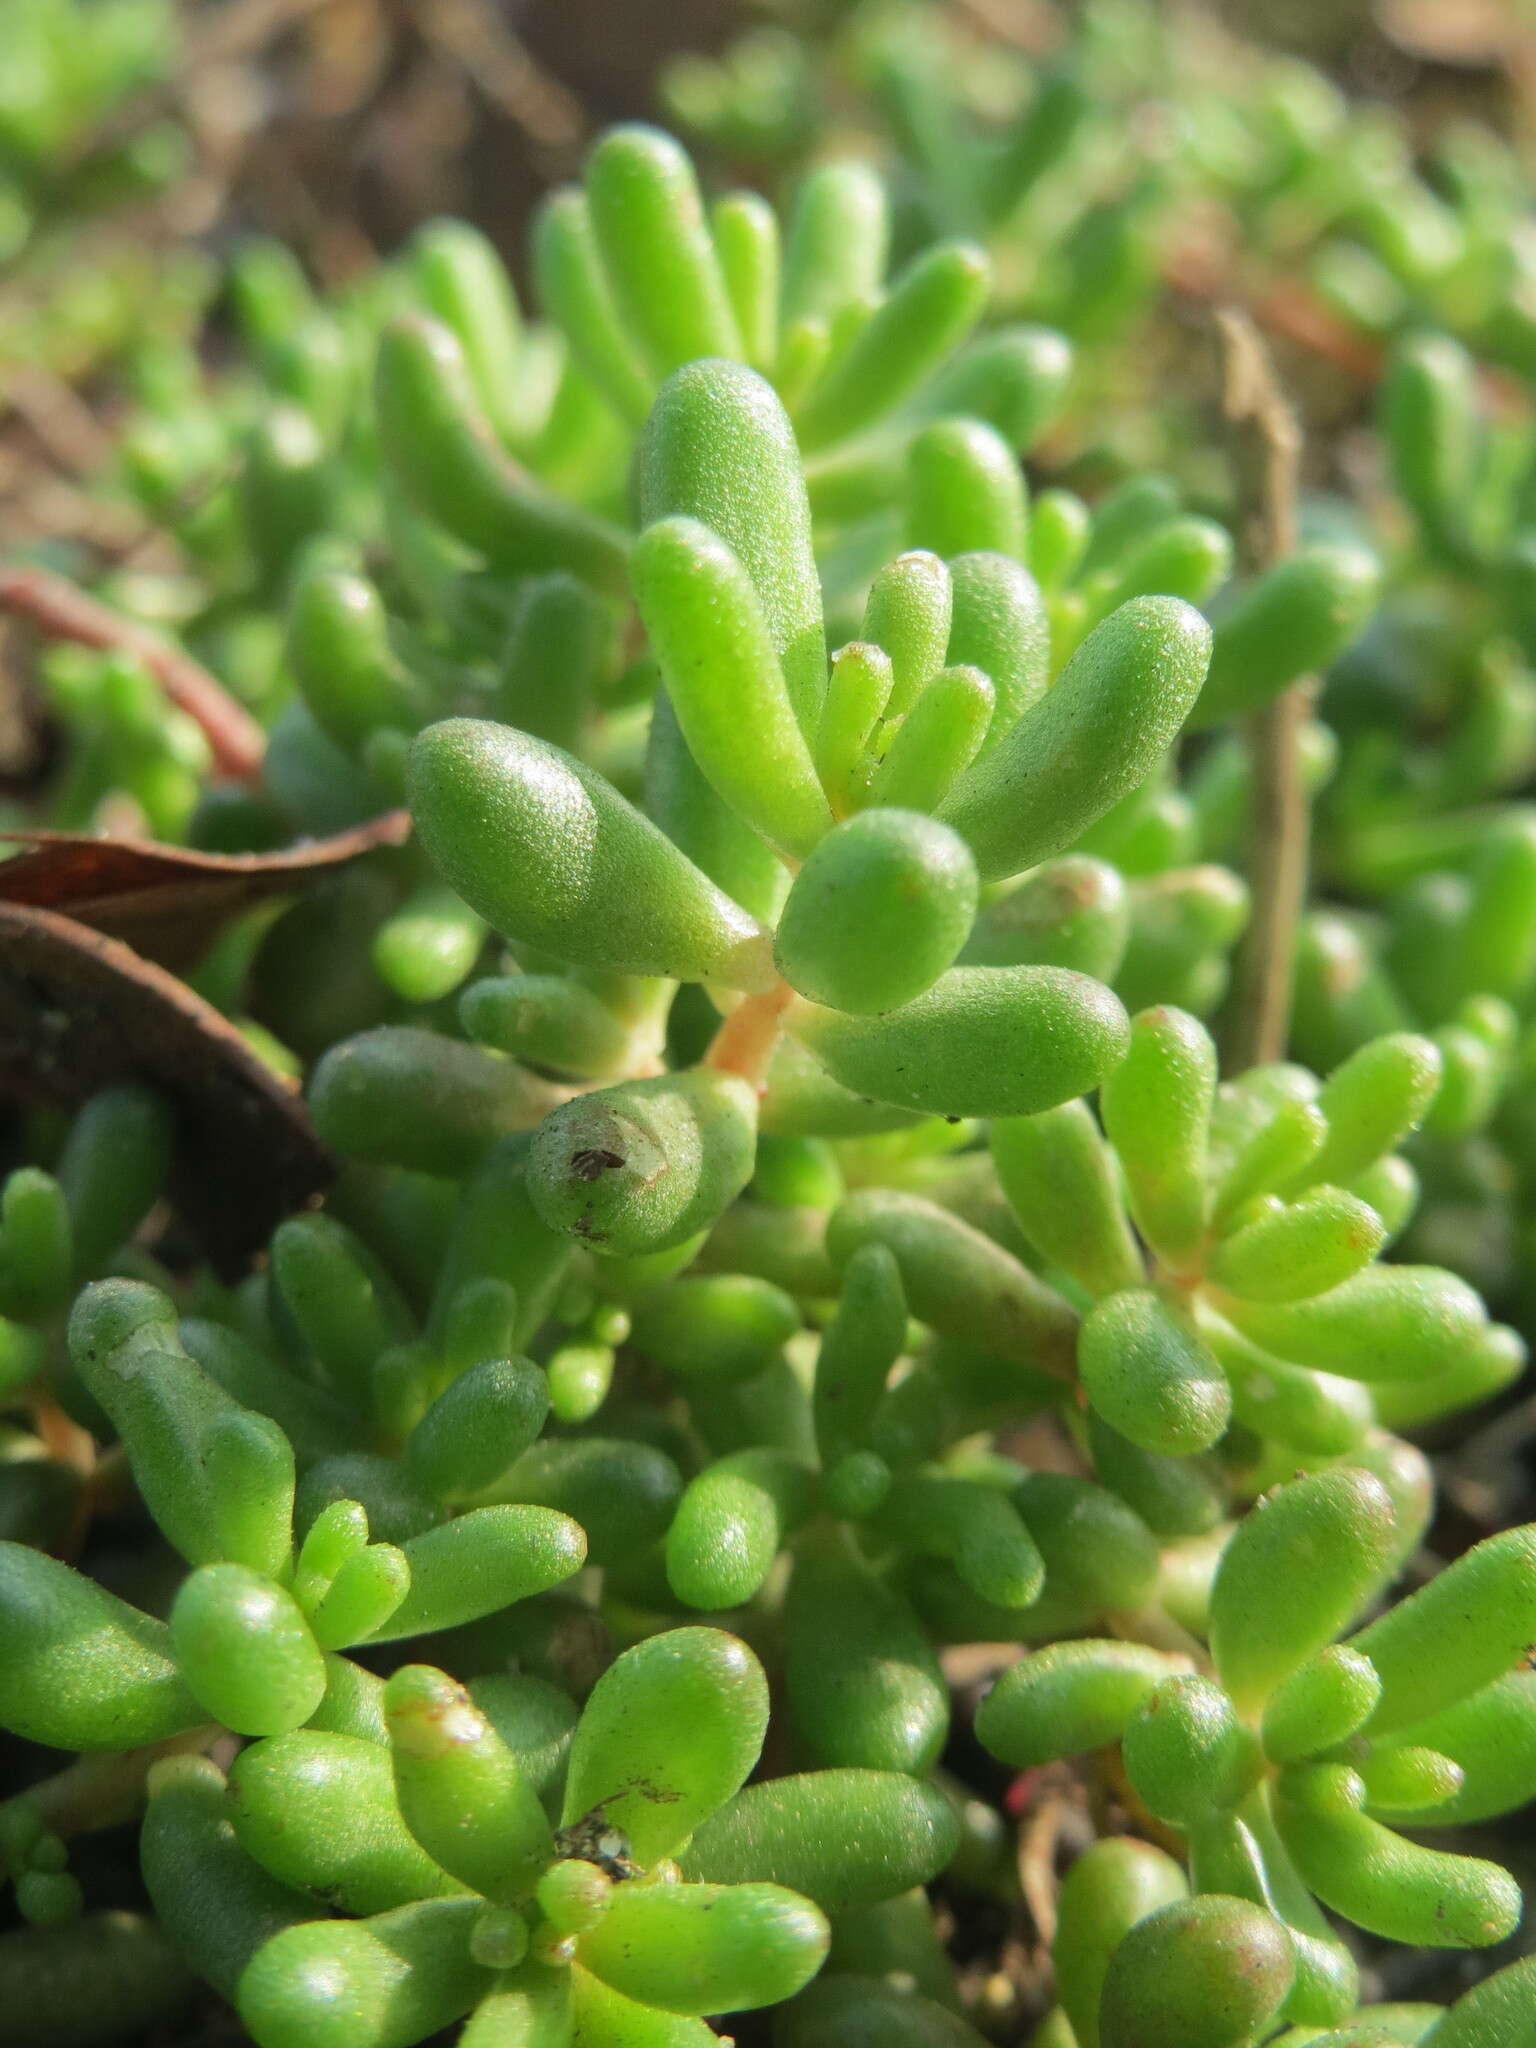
[
  {"x": 1111, "y": 1886},
  {"x": 647, "y": 1164},
  {"x": 1149, "y": 1375},
  {"x": 1157, "y": 1112},
  {"x": 1066, "y": 1699},
  {"x": 1088, "y": 742},
  {"x": 1296, "y": 1571},
  {"x": 983, "y": 1041},
  {"x": 385, "y": 1982},
  {"x": 246, "y": 1650},
  {"x": 696, "y": 1948},
  {"x": 655, "y": 244},
  {"x": 441, "y": 448},
  {"x": 671, "y": 1731},
  {"x": 841, "y": 1837},
  {"x": 865, "y": 1687},
  {"x": 461, "y": 1791},
  {"x": 878, "y": 912},
  {"x": 713, "y": 640},
  {"x": 1381, "y": 1881},
  {"x": 1209, "y": 1972},
  {"x": 318, "y": 1811},
  {"x": 83, "y": 1670},
  {"x": 719, "y": 448},
  {"x": 551, "y": 854},
  {"x": 1060, "y": 1182}
]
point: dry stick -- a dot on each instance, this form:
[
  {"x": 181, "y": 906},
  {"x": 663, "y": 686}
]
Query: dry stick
[
  {"x": 1264, "y": 447},
  {"x": 57, "y": 609},
  {"x": 235, "y": 32},
  {"x": 489, "y": 51}
]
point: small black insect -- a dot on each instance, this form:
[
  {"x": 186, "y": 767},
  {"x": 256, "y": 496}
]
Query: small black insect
[{"x": 592, "y": 1840}]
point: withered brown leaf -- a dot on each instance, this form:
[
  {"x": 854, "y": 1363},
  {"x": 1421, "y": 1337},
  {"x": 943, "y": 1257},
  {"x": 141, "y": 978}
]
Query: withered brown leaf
[
  {"x": 79, "y": 1010},
  {"x": 168, "y": 902}
]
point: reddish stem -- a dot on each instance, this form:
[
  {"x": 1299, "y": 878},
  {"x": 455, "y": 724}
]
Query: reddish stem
[
  {"x": 749, "y": 1037},
  {"x": 60, "y": 611}
]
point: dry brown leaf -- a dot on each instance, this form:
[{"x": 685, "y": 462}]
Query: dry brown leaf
[
  {"x": 79, "y": 1011},
  {"x": 168, "y": 902}
]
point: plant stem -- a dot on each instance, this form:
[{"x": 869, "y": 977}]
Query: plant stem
[
  {"x": 749, "y": 1037},
  {"x": 61, "y": 612},
  {"x": 1264, "y": 448},
  {"x": 105, "y": 1788}
]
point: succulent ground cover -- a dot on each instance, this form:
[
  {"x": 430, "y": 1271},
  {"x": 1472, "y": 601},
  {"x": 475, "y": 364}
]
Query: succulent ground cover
[{"x": 771, "y": 1048}]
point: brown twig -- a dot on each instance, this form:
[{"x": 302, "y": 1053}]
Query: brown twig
[
  {"x": 69, "y": 433},
  {"x": 749, "y": 1037},
  {"x": 1287, "y": 308},
  {"x": 476, "y": 37},
  {"x": 221, "y": 36},
  {"x": 60, "y": 611},
  {"x": 1264, "y": 448},
  {"x": 1058, "y": 1792}
]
